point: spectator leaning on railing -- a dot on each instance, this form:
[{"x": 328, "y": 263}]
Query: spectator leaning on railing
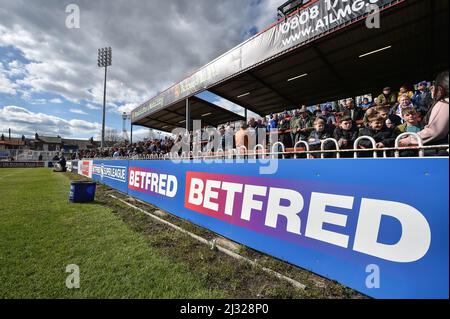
[{"x": 346, "y": 134}]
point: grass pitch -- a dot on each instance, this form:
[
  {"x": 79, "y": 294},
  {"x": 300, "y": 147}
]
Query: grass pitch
[
  {"x": 122, "y": 253},
  {"x": 41, "y": 233}
]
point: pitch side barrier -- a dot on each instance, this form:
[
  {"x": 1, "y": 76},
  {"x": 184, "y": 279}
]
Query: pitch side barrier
[
  {"x": 379, "y": 226},
  {"x": 24, "y": 164}
]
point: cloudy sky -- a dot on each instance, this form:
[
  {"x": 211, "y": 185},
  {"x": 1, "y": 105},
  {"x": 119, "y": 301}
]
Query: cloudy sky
[{"x": 49, "y": 79}]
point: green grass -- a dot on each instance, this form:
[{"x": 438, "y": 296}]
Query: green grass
[{"x": 41, "y": 233}]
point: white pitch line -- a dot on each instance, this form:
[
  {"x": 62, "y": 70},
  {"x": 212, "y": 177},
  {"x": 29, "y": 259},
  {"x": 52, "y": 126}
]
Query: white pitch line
[
  {"x": 10, "y": 174},
  {"x": 230, "y": 253}
]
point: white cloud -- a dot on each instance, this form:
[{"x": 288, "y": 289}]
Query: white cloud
[
  {"x": 127, "y": 108},
  {"x": 76, "y": 111},
  {"x": 28, "y": 123},
  {"x": 56, "y": 101},
  {"x": 16, "y": 69},
  {"x": 91, "y": 106},
  {"x": 6, "y": 86},
  {"x": 179, "y": 37}
]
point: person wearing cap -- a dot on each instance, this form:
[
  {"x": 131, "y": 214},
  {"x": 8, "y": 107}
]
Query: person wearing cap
[
  {"x": 302, "y": 127},
  {"x": 329, "y": 118},
  {"x": 386, "y": 98},
  {"x": 422, "y": 98}
]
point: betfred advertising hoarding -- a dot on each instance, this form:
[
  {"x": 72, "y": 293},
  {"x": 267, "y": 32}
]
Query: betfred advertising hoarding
[
  {"x": 85, "y": 168},
  {"x": 373, "y": 236}
]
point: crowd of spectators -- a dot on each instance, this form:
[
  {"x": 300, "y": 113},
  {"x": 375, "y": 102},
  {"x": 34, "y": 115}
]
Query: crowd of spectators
[
  {"x": 383, "y": 118},
  {"x": 125, "y": 149},
  {"x": 387, "y": 116}
]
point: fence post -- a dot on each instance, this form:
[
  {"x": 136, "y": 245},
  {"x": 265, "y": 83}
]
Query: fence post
[
  {"x": 419, "y": 142},
  {"x": 282, "y": 149},
  {"x": 355, "y": 145},
  {"x": 322, "y": 145}
]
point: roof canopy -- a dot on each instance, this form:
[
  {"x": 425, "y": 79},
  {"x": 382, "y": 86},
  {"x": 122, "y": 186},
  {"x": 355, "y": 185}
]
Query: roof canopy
[{"x": 321, "y": 54}]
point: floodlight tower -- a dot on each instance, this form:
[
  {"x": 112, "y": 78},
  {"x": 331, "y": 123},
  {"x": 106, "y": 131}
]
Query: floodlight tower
[
  {"x": 104, "y": 60},
  {"x": 125, "y": 117},
  {"x": 288, "y": 7}
]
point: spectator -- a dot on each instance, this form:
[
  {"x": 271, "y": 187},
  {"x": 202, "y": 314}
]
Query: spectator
[
  {"x": 365, "y": 105},
  {"x": 435, "y": 131},
  {"x": 383, "y": 136},
  {"x": 422, "y": 98},
  {"x": 411, "y": 124},
  {"x": 222, "y": 139},
  {"x": 329, "y": 118},
  {"x": 285, "y": 137},
  {"x": 241, "y": 136},
  {"x": 355, "y": 113},
  {"x": 370, "y": 112},
  {"x": 317, "y": 110},
  {"x": 292, "y": 123},
  {"x": 346, "y": 133},
  {"x": 405, "y": 102},
  {"x": 383, "y": 111},
  {"x": 386, "y": 98},
  {"x": 404, "y": 90},
  {"x": 303, "y": 126},
  {"x": 319, "y": 134},
  {"x": 272, "y": 125},
  {"x": 252, "y": 123}
]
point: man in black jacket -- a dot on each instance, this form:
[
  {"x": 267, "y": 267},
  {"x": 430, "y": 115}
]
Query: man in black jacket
[
  {"x": 346, "y": 134},
  {"x": 355, "y": 113}
]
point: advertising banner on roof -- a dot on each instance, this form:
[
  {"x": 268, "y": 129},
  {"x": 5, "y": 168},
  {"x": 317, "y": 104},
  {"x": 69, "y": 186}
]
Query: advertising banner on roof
[{"x": 310, "y": 22}]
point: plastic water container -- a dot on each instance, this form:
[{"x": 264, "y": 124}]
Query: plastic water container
[{"x": 82, "y": 192}]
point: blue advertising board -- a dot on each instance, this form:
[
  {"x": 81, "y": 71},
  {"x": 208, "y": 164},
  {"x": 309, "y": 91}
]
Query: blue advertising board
[
  {"x": 379, "y": 226},
  {"x": 111, "y": 173}
]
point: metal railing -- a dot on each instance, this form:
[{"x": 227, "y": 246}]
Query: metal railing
[{"x": 279, "y": 149}]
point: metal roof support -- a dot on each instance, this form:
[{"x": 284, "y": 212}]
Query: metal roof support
[
  {"x": 188, "y": 115},
  {"x": 131, "y": 135}
]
